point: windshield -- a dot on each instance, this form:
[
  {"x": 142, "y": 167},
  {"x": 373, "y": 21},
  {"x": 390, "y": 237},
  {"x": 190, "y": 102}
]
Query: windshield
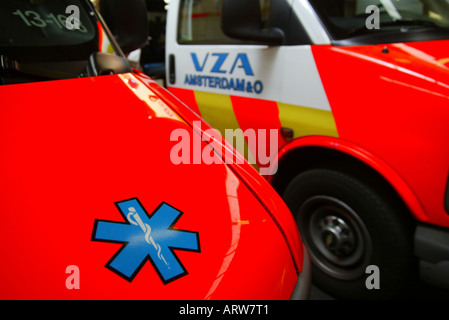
[
  {"x": 377, "y": 21},
  {"x": 39, "y": 31}
]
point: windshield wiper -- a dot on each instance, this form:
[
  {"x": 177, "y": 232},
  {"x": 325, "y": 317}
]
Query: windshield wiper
[
  {"x": 409, "y": 22},
  {"x": 402, "y": 23}
]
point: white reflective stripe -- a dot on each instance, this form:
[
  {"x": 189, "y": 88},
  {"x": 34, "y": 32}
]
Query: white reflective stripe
[
  {"x": 300, "y": 80},
  {"x": 287, "y": 74}
]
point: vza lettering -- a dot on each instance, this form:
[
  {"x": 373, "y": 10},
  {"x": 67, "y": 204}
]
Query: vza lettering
[{"x": 228, "y": 67}]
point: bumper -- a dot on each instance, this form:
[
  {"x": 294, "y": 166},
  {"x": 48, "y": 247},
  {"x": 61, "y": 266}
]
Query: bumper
[
  {"x": 302, "y": 288},
  {"x": 432, "y": 248}
]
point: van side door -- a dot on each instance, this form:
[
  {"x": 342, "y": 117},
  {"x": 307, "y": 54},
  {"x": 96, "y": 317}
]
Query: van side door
[{"x": 243, "y": 85}]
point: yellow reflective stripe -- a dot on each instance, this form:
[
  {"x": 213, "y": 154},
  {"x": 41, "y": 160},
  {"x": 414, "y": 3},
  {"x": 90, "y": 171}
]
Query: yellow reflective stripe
[
  {"x": 217, "y": 110},
  {"x": 307, "y": 121}
]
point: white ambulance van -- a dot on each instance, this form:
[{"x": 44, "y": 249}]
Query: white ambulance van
[{"x": 356, "y": 93}]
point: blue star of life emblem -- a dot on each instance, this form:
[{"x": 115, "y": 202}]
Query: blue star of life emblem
[{"x": 146, "y": 237}]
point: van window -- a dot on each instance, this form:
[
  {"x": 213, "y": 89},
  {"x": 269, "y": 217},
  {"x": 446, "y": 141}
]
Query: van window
[
  {"x": 347, "y": 18},
  {"x": 199, "y": 22},
  {"x": 42, "y": 40},
  {"x": 36, "y": 31}
]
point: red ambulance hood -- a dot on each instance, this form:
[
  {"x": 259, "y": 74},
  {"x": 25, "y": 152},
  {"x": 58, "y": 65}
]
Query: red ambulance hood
[
  {"x": 72, "y": 151},
  {"x": 424, "y": 65},
  {"x": 410, "y": 81},
  {"x": 388, "y": 98},
  {"x": 418, "y": 66}
]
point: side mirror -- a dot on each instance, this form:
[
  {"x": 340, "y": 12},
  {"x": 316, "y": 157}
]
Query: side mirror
[
  {"x": 241, "y": 19},
  {"x": 128, "y": 22},
  {"x": 102, "y": 64}
]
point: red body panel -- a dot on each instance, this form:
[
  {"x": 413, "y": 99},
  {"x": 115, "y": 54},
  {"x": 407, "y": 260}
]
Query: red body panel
[
  {"x": 393, "y": 104},
  {"x": 70, "y": 150},
  {"x": 267, "y": 196}
]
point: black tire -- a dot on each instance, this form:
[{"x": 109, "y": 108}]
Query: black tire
[{"x": 347, "y": 225}]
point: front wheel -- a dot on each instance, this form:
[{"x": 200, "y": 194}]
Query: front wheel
[{"x": 348, "y": 225}]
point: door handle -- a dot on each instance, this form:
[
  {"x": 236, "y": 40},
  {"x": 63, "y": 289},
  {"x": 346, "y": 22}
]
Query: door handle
[{"x": 171, "y": 69}]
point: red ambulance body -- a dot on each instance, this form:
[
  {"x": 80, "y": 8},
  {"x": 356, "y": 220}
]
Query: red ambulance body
[
  {"x": 358, "y": 92},
  {"x": 92, "y": 205}
]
